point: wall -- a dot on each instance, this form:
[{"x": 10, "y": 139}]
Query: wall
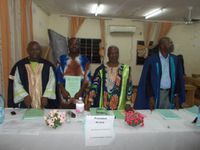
[
  {"x": 40, "y": 25},
  {"x": 186, "y": 39},
  {"x": 187, "y": 42},
  {"x": 59, "y": 24}
]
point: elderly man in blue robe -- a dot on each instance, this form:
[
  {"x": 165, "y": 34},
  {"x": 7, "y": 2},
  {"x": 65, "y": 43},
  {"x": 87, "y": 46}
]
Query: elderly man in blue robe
[{"x": 161, "y": 84}]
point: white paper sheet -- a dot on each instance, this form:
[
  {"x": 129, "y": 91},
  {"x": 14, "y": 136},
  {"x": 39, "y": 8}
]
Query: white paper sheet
[{"x": 99, "y": 130}]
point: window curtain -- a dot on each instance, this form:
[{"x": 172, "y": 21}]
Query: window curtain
[
  {"x": 5, "y": 45},
  {"x": 75, "y": 24},
  {"x": 15, "y": 30},
  {"x": 162, "y": 30},
  {"x": 26, "y": 24},
  {"x": 1, "y": 65},
  {"x": 148, "y": 31},
  {"x": 102, "y": 44},
  {"x": 15, "y": 33}
]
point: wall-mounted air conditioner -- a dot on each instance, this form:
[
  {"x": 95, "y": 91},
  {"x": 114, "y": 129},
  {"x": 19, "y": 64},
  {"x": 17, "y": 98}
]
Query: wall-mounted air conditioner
[{"x": 122, "y": 29}]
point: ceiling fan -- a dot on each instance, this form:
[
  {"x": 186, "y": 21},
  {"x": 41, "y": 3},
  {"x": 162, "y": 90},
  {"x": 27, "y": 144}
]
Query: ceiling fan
[{"x": 189, "y": 20}]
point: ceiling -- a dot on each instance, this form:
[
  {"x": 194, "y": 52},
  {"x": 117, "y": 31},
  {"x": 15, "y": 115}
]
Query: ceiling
[{"x": 176, "y": 10}]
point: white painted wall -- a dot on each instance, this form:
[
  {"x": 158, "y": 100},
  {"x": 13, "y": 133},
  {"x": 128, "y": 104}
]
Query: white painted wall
[
  {"x": 186, "y": 39},
  {"x": 187, "y": 42},
  {"x": 59, "y": 24},
  {"x": 40, "y": 25}
]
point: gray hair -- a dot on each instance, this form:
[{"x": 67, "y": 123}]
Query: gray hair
[{"x": 112, "y": 47}]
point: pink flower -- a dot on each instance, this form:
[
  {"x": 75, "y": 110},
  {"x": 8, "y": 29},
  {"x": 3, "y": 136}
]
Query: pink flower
[
  {"x": 55, "y": 118},
  {"x": 136, "y": 121},
  {"x": 134, "y": 118}
]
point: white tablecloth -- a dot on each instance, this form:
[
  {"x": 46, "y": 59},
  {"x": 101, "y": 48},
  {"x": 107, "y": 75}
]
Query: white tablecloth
[{"x": 157, "y": 134}]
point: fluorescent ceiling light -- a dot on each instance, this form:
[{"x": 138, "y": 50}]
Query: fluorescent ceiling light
[
  {"x": 97, "y": 9},
  {"x": 153, "y": 13},
  {"x": 94, "y": 8}
]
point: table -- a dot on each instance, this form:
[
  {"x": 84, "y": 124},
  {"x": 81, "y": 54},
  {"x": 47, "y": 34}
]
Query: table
[{"x": 157, "y": 134}]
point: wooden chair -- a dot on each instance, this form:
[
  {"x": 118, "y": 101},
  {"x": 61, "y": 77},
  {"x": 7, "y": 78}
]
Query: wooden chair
[
  {"x": 195, "y": 81},
  {"x": 196, "y": 75},
  {"x": 190, "y": 95}
]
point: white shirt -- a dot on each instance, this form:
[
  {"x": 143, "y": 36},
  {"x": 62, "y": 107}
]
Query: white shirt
[{"x": 165, "y": 82}]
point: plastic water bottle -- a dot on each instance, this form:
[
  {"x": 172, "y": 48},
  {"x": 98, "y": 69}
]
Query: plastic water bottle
[
  {"x": 80, "y": 105},
  {"x": 80, "y": 109},
  {"x": 2, "y": 113}
]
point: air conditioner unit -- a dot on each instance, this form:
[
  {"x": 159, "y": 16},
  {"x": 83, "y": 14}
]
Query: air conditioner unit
[{"x": 122, "y": 29}]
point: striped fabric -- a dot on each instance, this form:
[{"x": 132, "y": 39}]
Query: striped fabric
[{"x": 15, "y": 33}]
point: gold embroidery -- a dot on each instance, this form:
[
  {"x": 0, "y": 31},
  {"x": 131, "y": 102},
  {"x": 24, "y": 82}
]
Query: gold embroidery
[{"x": 35, "y": 84}]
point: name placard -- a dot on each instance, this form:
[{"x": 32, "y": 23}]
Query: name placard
[{"x": 99, "y": 130}]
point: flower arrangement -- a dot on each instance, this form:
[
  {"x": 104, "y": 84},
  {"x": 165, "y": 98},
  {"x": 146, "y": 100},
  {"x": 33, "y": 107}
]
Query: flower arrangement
[
  {"x": 134, "y": 118},
  {"x": 55, "y": 118}
]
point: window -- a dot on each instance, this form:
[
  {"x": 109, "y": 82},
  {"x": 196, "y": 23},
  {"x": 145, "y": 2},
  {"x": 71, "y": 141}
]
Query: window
[{"x": 90, "y": 48}]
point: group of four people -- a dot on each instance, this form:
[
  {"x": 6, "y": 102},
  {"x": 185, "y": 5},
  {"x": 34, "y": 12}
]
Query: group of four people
[{"x": 36, "y": 83}]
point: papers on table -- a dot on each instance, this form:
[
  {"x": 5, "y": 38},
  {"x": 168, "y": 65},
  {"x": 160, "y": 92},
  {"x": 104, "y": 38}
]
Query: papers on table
[
  {"x": 167, "y": 114},
  {"x": 193, "y": 110},
  {"x": 198, "y": 120},
  {"x": 196, "y": 112},
  {"x": 99, "y": 111},
  {"x": 72, "y": 84},
  {"x": 33, "y": 113},
  {"x": 99, "y": 130}
]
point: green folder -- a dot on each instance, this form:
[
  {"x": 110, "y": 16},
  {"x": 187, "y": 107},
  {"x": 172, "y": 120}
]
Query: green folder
[
  {"x": 119, "y": 114},
  {"x": 33, "y": 113},
  {"x": 167, "y": 114},
  {"x": 99, "y": 111},
  {"x": 193, "y": 109}
]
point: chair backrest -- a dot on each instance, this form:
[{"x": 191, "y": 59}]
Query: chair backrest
[{"x": 190, "y": 95}]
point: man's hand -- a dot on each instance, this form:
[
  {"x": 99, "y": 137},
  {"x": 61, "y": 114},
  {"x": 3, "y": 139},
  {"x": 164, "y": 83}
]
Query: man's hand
[
  {"x": 65, "y": 94},
  {"x": 28, "y": 101},
  {"x": 151, "y": 103},
  {"x": 87, "y": 106},
  {"x": 44, "y": 102},
  {"x": 78, "y": 94},
  {"x": 176, "y": 101},
  {"x": 71, "y": 101}
]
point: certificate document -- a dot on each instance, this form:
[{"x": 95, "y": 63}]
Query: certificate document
[
  {"x": 167, "y": 114},
  {"x": 99, "y": 130},
  {"x": 72, "y": 84}
]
